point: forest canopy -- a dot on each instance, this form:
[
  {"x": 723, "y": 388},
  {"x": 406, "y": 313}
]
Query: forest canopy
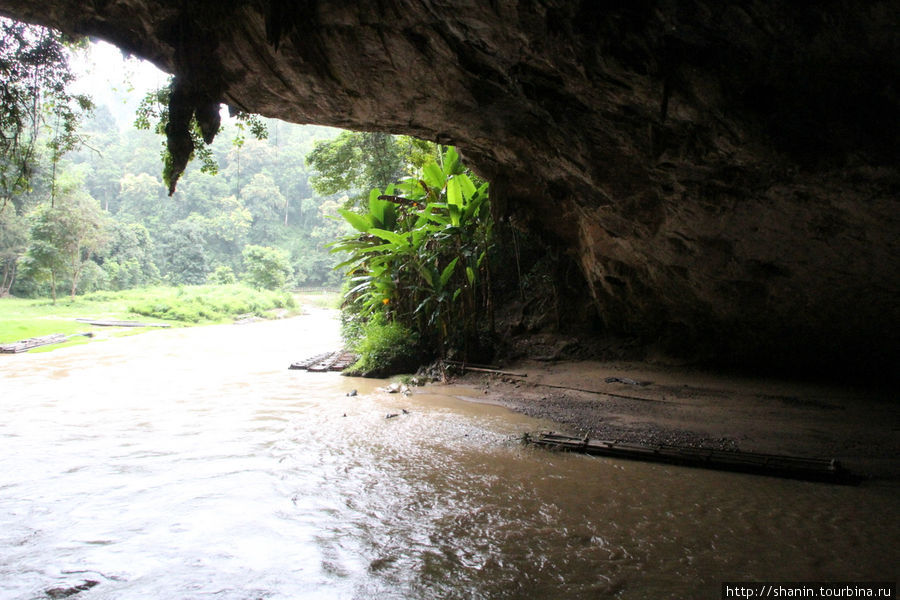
[{"x": 65, "y": 161}]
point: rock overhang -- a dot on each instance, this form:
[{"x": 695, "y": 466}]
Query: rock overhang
[{"x": 724, "y": 173}]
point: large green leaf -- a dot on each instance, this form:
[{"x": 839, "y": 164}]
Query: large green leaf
[
  {"x": 472, "y": 208},
  {"x": 454, "y": 193},
  {"x": 433, "y": 212},
  {"x": 354, "y": 263},
  {"x": 433, "y": 176},
  {"x": 454, "y": 214},
  {"x": 422, "y": 305},
  {"x": 362, "y": 286},
  {"x": 451, "y": 162},
  {"x": 401, "y": 242},
  {"x": 426, "y": 273},
  {"x": 420, "y": 233},
  {"x": 465, "y": 185},
  {"x": 470, "y": 275},
  {"x": 376, "y": 207},
  {"x": 356, "y": 220},
  {"x": 383, "y": 213},
  {"x": 411, "y": 188},
  {"x": 447, "y": 273},
  {"x": 349, "y": 246}
]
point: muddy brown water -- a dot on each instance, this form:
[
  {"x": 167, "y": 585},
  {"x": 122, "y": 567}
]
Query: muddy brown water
[{"x": 193, "y": 464}]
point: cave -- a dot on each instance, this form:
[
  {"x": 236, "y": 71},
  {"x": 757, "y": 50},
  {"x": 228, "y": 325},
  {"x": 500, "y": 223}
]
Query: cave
[{"x": 723, "y": 176}]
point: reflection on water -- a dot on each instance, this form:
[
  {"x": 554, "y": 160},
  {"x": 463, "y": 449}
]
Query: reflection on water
[{"x": 193, "y": 464}]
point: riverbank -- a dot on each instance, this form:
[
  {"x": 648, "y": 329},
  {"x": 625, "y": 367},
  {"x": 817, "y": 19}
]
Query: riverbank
[
  {"x": 183, "y": 306},
  {"x": 649, "y": 404}
]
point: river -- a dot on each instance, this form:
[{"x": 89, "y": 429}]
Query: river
[{"x": 191, "y": 463}]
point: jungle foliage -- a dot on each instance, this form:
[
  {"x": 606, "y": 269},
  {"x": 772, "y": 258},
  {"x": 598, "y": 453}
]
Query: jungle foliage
[
  {"x": 111, "y": 175},
  {"x": 259, "y": 210},
  {"x": 154, "y": 113},
  {"x": 35, "y": 103},
  {"x": 418, "y": 258},
  {"x": 356, "y": 161}
]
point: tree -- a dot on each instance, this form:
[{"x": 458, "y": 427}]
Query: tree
[
  {"x": 127, "y": 259},
  {"x": 140, "y": 201},
  {"x": 34, "y": 75},
  {"x": 357, "y": 161},
  {"x": 106, "y": 166},
  {"x": 222, "y": 276},
  {"x": 266, "y": 203},
  {"x": 63, "y": 238},
  {"x": 13, "y": 241},
  {"x": 226, "y": 230},
  {"x": 266, "y": 268},
  {"x": 182, "y": 251}
]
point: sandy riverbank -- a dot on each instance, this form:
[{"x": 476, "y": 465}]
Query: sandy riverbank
[{"x": 644, "y": 403}]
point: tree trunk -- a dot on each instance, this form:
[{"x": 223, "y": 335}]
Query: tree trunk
[
  {"x": 8, "y": 273},
  {"x": 76, "y": 271}
]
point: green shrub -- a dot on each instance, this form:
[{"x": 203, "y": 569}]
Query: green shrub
[
  {"x": 385, "y": 349},
  {"x": 267, "y": 268},
  {"x": 209, "y": 302},
  {"x": 101, "y": 296},
  {"x": 222, "y": 276}
]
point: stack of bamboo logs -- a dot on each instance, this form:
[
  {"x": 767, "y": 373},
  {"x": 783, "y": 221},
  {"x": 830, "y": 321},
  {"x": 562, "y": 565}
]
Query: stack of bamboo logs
[
  {"x": 25, "y": 345},
  {"x": 328, "y": 361}
]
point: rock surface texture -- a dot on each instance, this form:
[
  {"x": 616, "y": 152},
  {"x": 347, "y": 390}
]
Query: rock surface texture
[{"x": 725, "y": 173}]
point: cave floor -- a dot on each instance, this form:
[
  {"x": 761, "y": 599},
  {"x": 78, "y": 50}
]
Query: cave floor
[{"x": 645, "y": 403}]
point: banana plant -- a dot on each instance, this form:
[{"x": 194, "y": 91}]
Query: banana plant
[{"x": 418, "y": 252}]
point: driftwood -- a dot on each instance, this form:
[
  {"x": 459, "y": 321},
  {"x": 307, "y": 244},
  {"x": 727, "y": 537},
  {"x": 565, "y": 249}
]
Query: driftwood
[
  {"x": 777, "y": 465},
  {"x": 483, "y": 368},
  {"x": 494, "y": 371},
  {"x": 459, "y": 363}
]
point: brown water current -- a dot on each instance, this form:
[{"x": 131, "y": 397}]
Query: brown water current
[{"x": 193, "y": 464}]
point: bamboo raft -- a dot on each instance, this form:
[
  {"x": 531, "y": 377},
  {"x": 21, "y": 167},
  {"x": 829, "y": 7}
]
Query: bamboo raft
[
  {"x": 35, "y": 342},
  {"x": 26, "y": 345},
  {"x": 792, "y": 467},
  {"x": 328, "y": 361}
]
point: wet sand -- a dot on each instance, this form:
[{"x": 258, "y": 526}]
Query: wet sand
[{"x": 638, "y": 402}]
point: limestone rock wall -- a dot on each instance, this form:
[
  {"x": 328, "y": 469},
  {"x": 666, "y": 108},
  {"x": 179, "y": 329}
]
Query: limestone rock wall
[{"x": 725, "y": 173}]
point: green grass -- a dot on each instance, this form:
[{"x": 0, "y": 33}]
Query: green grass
[
  {"x": 210, "y": 303},
  {"x": 191, "y": 305},
  {"x": 320, "y": 299}
]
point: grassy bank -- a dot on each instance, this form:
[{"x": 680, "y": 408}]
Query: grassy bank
[
  {"x": 189, "y": 305},
  {"x": 319, "y": 298}
]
